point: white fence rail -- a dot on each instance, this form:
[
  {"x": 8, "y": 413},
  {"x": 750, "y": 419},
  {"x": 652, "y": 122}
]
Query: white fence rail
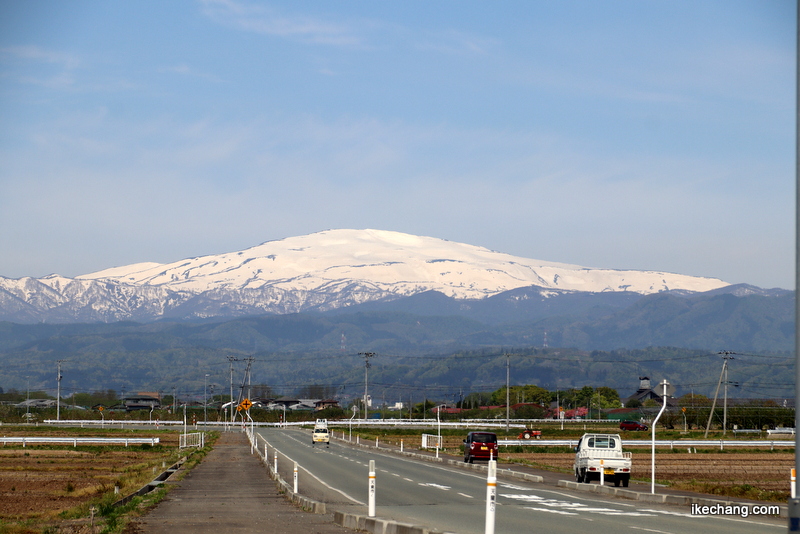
[
  {"x": 79, "y": 441},
  {"x": 672, "y": 444},
  {"x": 778, "y": 431},
  {"x": 108, "y": 422}
]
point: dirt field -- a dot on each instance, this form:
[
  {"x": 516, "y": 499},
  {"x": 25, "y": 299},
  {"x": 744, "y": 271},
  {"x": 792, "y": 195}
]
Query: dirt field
[{"x": 45, "y": 482}]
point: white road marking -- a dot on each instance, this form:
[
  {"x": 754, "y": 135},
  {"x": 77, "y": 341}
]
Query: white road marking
[
  {"x": 551, "y": 504},
  {"x": 512, "y": 487},
  {"x": 467, "y": 496},
  {"x": 432, "y": 485},
  {"x": 550, "y": 511}
]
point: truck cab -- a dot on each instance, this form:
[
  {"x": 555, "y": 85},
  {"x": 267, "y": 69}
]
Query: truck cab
[{"x": 321, "y": 434}]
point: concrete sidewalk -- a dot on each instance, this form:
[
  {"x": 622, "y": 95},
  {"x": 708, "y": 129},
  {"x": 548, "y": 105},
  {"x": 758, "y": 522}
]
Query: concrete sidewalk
[{"x": 231, "y": 491}]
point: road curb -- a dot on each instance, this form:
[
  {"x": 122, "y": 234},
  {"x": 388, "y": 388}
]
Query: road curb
[{"x": 376, "y": 525}]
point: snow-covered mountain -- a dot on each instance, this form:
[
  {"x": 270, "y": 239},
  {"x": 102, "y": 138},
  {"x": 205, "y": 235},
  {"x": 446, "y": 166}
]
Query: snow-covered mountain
[{"x": 320, "y": 271}]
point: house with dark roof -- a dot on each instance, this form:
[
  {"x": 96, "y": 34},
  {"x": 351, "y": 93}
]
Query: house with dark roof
[
  {"x": 141, "y": 402},
  {"x": 647, "y": 392}
]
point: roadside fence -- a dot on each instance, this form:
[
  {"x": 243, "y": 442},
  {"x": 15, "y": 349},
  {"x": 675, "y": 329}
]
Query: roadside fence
[
  {"x": 82, "y": 441},
  {"x": 431, "y": 441},
  {"x": 196, "y": 439}
]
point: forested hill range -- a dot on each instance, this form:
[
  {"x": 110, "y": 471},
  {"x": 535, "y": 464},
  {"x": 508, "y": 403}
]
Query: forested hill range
[
  {"x": 332, "y": 270},
  {"x": 187, "y": 357}
]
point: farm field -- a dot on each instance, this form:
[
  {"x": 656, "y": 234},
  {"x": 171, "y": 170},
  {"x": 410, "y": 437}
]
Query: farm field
[
  {"x": 756, "y": 475},
  {"x": 44, "y": 485}
]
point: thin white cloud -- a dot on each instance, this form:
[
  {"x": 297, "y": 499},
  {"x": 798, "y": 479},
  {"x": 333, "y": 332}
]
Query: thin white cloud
[
  {"x": 259, "y": 18},
  {"x": 39, "y": 55},
  {"x": 185, "y": 70},
  {"x": 34, "y": 65},
  {"x": 456, "y": 42},
  {"x": 524, "y": 193}
]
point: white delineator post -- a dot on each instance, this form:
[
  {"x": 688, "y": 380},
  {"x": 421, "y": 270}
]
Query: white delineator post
[
  {"x": 794, "y": 483},
  {"x": 295, "y": 477},
  {"x": 491, "y": 496},
  {"x": 602, "y": 473},
  {"x": 371, "y": 511},
  {"x": 276, "y": 461}
]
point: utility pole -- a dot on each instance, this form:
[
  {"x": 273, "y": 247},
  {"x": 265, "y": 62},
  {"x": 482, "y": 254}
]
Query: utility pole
[
  {"x": 58, "y": 394},
  {"x": 794, "y": 501},
  {"x": 250, "y": 361},
  {"x": 508, "y": 376},
  {"x": 725, "y": 404},
  {"x": 231, "y": 359},
  {"x": 367, "y": 365},
  {"x": 726, "y": 356},
  {"x": 205, "y": 400},
  {"x": 246, "y": 379}
]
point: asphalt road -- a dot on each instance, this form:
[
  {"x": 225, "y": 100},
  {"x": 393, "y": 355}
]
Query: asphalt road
[{"x": 454, "y": 500}]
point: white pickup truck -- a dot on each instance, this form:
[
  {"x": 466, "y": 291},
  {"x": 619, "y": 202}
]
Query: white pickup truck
[
  {"x": 602, "y": 452},
  {"x": 320, "y": 434}
]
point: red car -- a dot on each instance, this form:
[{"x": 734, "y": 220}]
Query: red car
[
  {"x": 632, "y": 425},
  {"x": 480, "y": 445}
]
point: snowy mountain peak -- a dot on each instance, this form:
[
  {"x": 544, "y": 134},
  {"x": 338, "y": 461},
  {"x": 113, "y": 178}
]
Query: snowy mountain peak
[
  {"x": 398, "y": 263},
  {"x": 319, "y": 271}
]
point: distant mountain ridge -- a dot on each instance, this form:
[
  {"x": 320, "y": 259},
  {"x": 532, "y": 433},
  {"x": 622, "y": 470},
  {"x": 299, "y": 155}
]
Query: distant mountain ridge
[{"x": 323, "y": 271}]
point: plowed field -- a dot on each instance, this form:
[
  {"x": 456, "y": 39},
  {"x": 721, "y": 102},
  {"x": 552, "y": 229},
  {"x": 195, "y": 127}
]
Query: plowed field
[
  {"x": 766, "y": 471},
  {"x": 43, "y": 480}
]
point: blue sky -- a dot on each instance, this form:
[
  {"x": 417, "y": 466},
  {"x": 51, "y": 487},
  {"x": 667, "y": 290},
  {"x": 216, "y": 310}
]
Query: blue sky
[{"x": 627, "y": 135}]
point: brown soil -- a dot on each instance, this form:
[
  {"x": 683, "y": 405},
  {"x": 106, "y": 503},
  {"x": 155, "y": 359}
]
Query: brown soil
[
  {"x": 766, "y": 471},
  {"x": 39, "y": 482}
]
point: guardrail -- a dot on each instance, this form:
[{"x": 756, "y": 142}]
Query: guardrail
[
  {"x": 75, "y": 441},
  {"x": 486, "y": 423},
  {"x": 110, "y": 422},
  {"x": 659, "y": 443},
  {"x": 771, "y": 431}
]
